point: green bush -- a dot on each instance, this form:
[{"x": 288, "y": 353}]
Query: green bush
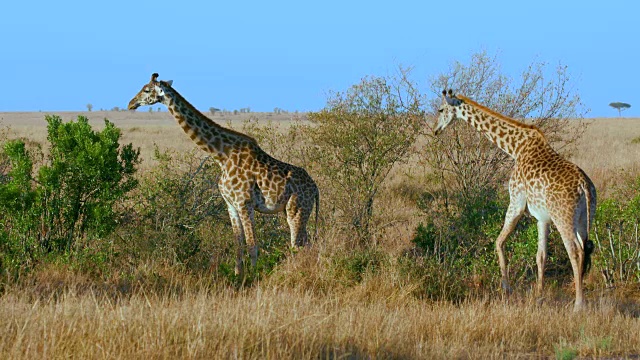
[
  {"x": 351, "y": 267},
  {"x": 357, "y": 139},
  {"x": 73, "y": 198},
  {"x": 180, "y": 194},
  {"x": 616, "y": 234},
  {"x": 182, "y": 220},
  {"x": 458, "y": 238}
]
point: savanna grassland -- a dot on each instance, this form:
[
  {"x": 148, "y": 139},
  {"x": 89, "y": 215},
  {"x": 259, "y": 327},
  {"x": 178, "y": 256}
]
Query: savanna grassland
[{"x": 148, "y": 295}]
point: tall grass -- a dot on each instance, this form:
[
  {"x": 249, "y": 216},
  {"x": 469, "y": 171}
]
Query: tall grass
[{"x": 285, "y": 323}]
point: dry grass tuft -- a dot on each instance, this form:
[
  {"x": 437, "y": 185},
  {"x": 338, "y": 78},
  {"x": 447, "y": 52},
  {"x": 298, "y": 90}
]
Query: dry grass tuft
[{"x": 284, "y": 323}]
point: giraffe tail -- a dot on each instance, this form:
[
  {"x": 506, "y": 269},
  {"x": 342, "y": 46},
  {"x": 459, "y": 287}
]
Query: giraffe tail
[{"x": 587, "y": 244}]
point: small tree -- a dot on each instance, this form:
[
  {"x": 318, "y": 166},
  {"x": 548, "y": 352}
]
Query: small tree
[
  {"x": 357, "y": 139},
  {"x": 89, "y": 107},
  {"x": 75, "y": 193},
  {"x": 465, "y": 162},
  {"x": 620, "y": 106}
]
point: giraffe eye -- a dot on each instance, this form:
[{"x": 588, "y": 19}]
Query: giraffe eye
[
  {"x": 146, "y": 90},
  {"x": 440, "y": 110}
]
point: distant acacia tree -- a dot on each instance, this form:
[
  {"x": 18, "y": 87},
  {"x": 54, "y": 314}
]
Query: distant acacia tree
[
  {"x": 620, "y": 106},
  {"x": 213, "y": 110},
  {"x": 89, "y": 107}
]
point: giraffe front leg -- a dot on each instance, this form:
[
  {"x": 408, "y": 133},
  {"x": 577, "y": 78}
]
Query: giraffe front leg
[
  {"x": 247, "y": 215},
  {"x": 238, "y": 232},
  {"x": 516, "y": 208}
]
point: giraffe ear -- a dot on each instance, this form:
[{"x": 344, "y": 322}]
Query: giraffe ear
[{"x": 169, "y": 82}]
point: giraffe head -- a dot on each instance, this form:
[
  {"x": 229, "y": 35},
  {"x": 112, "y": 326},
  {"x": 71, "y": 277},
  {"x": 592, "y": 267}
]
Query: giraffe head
[
  {"x": 447, "y": 111},
  {"x": 151, "y": 93}
]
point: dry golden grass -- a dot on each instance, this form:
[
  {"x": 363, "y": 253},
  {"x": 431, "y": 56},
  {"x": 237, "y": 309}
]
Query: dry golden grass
[
  {"x": 142, "y": 129},
  {"x": 284, "y": 323},
  {"x": 297, "y": 314},
  {"x": 607, "y": 148}
]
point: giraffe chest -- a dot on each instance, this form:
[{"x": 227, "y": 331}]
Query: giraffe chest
[{"x": 265, "y": 192}]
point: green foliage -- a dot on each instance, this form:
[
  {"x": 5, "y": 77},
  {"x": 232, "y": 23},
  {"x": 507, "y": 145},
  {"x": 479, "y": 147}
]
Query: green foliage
[
  {"x": 181, "y": 219},
  {"x": 177, "y": 200},
  {"x": 74, "y": 196},
  {"x": 351, "y": 267},
  {"x": 88, "y": 173},
  {"x": 357, "y": 139},
  {"x": 18, "y": 216},
  {"x": 565, "y": 352},
  {"x": 616, "y": 234},
  {"x": 459, "y": 238}
]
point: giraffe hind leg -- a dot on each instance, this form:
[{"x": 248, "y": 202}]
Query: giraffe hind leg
[
  {"x": 541, "y": 256},
  {"x": 297, "y": 218},
  {"x": 573, "y": 245}
]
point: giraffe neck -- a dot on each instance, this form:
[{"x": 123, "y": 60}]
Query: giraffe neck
[
  {"x": 508, "y": 134},
  {"x": 208, "y": 135}
]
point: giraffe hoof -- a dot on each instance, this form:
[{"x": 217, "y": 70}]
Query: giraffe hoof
[{"x": 506, "y": 288}]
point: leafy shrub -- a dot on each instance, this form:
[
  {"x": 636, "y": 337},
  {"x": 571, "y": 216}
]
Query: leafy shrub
[
  {"x": 357, "y": 139},
  {"x": 73, "y": 198},
  {"x": 616, "y": 234},
  {"x": 351, "y": 267},
  {"x": 183, "y": 220},
  {"x": 459, "y": 239},
  {"x": 178, "y": 198}
]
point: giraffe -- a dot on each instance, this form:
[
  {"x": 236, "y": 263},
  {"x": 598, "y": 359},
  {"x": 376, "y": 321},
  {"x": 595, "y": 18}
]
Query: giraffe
[
  {"x": 251, "y": 179},
  {"x": 553, "y": 189}
]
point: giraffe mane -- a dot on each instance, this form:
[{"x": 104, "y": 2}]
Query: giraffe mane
[
  {"x": 204, "y": 117},
  {"x": 485, "y": 109}
]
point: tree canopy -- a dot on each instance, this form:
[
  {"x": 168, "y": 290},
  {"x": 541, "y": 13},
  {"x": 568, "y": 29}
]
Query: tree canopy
[{"x": 620, "y": 106}]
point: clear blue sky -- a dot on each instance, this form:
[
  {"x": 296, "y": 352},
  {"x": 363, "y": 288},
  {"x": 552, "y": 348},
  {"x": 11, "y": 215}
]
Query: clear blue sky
[{"x": 61, "y": 55}]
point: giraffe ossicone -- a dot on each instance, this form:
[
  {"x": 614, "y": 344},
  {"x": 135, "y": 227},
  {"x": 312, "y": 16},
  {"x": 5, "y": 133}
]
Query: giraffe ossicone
[
  {"x": 251, "y": 179},
  {"x": 555, "y": 190}
]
